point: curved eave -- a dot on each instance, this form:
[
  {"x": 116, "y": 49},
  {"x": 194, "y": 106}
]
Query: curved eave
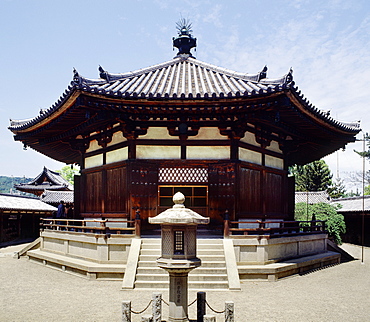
[{"x": 321, "y": 117}]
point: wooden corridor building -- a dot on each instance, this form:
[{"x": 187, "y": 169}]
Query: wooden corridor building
[{"x": 223, "y": 138}]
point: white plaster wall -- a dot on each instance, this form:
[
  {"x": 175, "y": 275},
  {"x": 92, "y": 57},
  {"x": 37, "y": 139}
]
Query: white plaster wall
[
  {"x": 158, "y": 133},
  {"x": 250, "y": 156},
  {"x": 117, "y": 138},
  {"x": 249, "y": 138},
  {"x": 94, "y": 161},
  {"x": 207, "y": 152},
  {"x": 117, "y": 155},
  {"x": 93, "y": 146},
  {"x": 274, "y": 146},
  {"x": 158, "y": 152},
  {"x": 208, "y": 133},
  {"x": 274, "y": 162}
]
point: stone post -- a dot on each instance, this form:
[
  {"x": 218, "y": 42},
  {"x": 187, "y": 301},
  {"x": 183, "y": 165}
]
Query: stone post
[
  {"x": 157, "y": 307},
  {"x": 226, "y": 224},
  {"x": 178, "y": 310},
  {"x": 229, "y": 311},
  {"x": 146, "y": 318},
  {"x": 209, "y": 318},
  {"x": 201, "y": 306},
  {"x": 137, "y": 224},
  {"x": 126, "y": 311}
]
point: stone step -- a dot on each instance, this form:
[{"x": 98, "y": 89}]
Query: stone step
[
  {"x": 192, "y": 285},
  {"x": 200, "y": 252},
  {"x": 205, "y": 264},
  {"x": 199, "y": 270},
  {"x": 191, "y": 277}
]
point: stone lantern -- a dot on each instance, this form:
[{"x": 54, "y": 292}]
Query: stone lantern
[{"x": 179, "y": 252}]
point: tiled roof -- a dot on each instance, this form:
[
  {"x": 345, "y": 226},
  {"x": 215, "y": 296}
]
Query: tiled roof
[
  {"x": 47, "y": 179},
  {"x": 183, "y": 78},
  {"x": 312, "y": 197},
  {"x": 353, "y": 204},
  {"x": 13, "y": 202},
  {"x": 50, "y": 196}
]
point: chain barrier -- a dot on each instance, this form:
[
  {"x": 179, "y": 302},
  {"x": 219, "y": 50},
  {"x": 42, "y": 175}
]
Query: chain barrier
[
  {"x": 132, "y": 311},
  {"x": 192, "y": 303},
  {"x": 165, "y": 302},
  {"x": 218, "y": 312}
]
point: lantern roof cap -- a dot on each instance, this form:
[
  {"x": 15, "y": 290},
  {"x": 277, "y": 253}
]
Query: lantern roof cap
[{"x": 179, "y": 214}]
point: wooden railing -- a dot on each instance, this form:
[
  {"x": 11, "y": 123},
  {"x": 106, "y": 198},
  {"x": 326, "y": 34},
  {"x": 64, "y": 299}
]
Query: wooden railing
[
  {"x": 273, "y": 229},
  {"x": 93, "y": 226}
]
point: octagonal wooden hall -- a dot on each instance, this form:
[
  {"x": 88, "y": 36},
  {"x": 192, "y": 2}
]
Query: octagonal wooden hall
[{"x": 223, "y": 138}]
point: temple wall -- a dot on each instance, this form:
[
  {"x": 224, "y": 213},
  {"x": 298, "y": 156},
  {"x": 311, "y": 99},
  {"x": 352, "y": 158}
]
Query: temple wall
[
  {"x": 117, "y": 155},
  {"x": 151, "y": 152},
  {"x": 94, "y": 161},
  {"x": 250, "y": 156},
  {"x": 208, "y": 152}
]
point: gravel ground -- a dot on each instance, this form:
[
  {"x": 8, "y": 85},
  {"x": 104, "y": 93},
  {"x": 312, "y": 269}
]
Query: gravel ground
[{"x": 30, "y": 292}]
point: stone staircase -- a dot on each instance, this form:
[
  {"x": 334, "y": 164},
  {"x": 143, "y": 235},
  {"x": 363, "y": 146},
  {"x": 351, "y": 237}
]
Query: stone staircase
[{"x": 211, "y": 275}]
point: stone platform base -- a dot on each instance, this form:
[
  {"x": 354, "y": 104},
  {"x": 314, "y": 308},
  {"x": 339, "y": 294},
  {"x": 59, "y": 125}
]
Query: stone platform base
[
  {"x": 273, "y": 272},
  {"x": 76, "y": 266},
  {"x": 248, "y": 258}
]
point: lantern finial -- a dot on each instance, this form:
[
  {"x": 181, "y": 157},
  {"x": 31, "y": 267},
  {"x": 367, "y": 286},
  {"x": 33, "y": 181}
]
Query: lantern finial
[{"x": 178, "y": 198}]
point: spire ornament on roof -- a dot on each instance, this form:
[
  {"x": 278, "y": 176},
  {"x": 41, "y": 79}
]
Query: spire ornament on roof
[{"x": 184, "y": 41}]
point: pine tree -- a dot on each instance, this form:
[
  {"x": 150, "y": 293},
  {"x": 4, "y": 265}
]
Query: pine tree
[{"x": 314, "y": 176}]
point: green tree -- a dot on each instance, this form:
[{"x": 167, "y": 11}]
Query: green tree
[
  {"x": 335, "y": 223},
  {"x": 68, "y": 173},
  {"x": 314, "y": 176},
  {"x": 337, "y": 190}
]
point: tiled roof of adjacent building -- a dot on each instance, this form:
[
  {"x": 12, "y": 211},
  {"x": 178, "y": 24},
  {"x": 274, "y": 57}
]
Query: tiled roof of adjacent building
[
  {"x": 353, "y": 204},
  {"x": 54, "y": 197},
  {"x": 312, "y": 197},
  {"x": 22, "y": 203},
  {"x": 47, "y": 179}
]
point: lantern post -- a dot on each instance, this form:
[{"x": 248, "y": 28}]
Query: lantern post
[{"x": 178, "y": 252}]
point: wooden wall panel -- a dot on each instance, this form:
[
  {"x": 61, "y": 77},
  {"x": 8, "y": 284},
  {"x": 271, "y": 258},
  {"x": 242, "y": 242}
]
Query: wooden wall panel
[
  {"x": 116, "y": 190},
  {"x": 221, "y": 190},
  {"x": 93, "y": 192},
  {"x": 273, "y": 193},
  {"x": 143, "y": 189},
  {"x": 249, "y": 193}
]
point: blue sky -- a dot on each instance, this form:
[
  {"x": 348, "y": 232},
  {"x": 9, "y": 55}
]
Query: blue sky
[{"x": 327, "y": 43}]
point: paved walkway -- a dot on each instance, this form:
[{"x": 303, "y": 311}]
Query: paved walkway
[{"x": 30, "y": 292}]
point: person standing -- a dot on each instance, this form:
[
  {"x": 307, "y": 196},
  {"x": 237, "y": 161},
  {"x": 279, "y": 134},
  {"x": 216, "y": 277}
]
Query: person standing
[{"x": 60, "y": 212}]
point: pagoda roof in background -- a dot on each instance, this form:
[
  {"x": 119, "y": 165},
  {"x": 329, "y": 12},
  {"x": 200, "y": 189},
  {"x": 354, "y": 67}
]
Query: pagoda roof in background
[{"x": 46, "y": 180}]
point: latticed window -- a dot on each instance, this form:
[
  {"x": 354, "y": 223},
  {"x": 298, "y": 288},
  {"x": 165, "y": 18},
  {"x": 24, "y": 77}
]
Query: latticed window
[
  {"x": 195, "y": 196},
  {"x": 183, "y": 175},
  {"x": 179, "y": 242}
]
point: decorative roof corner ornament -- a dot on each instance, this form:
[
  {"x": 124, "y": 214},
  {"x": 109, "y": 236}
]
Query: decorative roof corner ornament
[
  {"x": 184, "y": 41},
  {"x": 289, "y": 76},
  {"x": 263, "y": 73},
  {"x": 76, "y": 77},
  {"x": 103, "y": 73}
]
